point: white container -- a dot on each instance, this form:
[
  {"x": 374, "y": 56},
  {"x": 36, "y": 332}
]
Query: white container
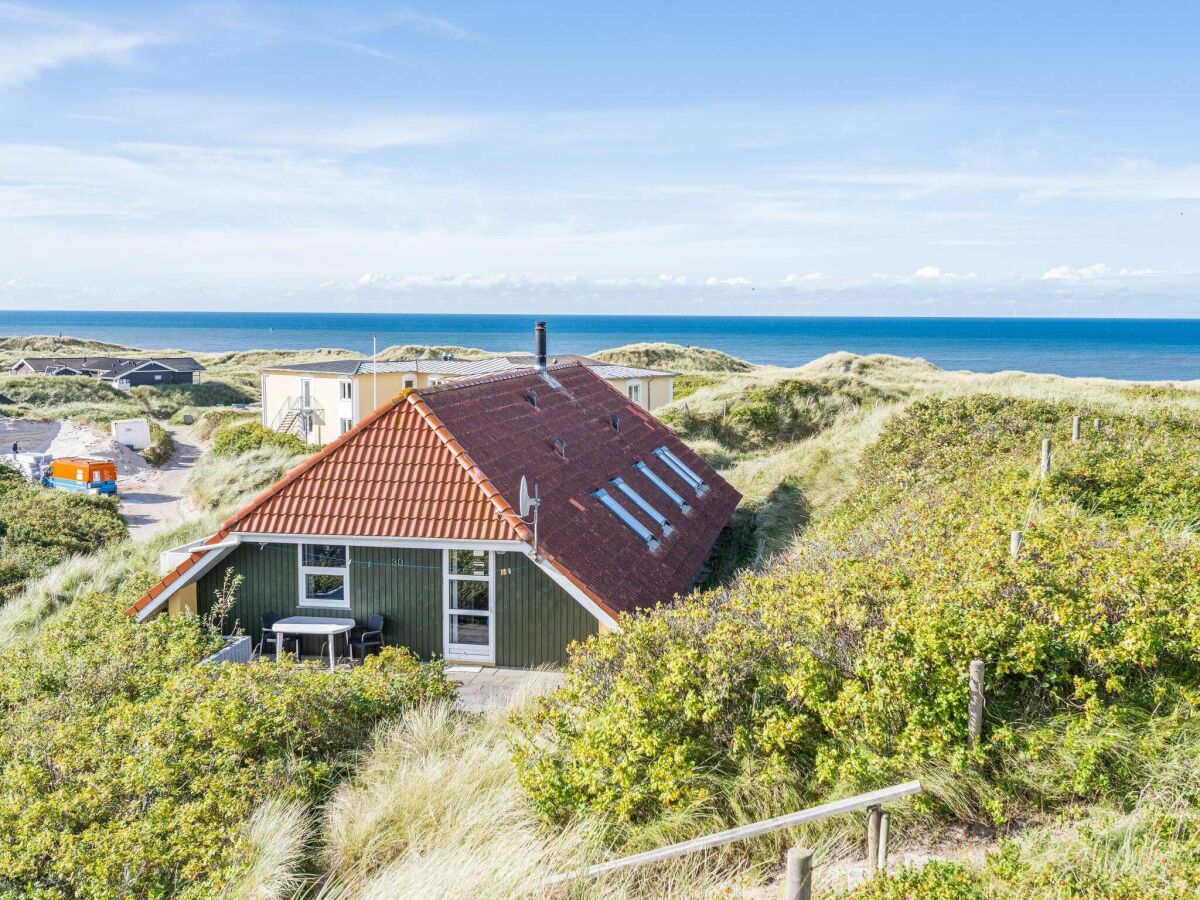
[{"x": 133, "y": 433}]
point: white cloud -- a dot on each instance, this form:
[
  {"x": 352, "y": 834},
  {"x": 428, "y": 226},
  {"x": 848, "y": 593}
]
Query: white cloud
[
  {"x": 928, "y": 272},
  {"x": 1113, "y": 182},
  {"x": 35, "y": 41},
  {"x": 1077, "y": 273},
  {"x": 809, "y": 278},
  {"x": 1094, "y": 272}
]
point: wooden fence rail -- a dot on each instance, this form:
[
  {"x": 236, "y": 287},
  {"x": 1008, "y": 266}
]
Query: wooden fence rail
[{"x": 757, "y": 829}]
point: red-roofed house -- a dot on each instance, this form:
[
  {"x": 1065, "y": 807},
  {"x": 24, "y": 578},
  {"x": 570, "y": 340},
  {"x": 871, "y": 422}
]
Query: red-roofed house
[{"x": 414, "y": 514}]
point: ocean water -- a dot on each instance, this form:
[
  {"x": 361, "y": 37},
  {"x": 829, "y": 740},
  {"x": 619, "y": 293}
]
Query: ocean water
[{"x": 1114, "y": 348}]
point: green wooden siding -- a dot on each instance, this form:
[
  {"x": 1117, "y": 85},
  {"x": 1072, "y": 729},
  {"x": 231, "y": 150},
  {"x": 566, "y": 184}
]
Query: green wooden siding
[
  {"x": 270, "y": 583},
  {"x": 402, "y": 584},
  {"x": 405, "y": 585},
  {"x": 535, "y": 618}
]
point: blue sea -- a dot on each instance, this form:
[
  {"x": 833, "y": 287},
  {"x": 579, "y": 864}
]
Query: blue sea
[{"x": 1114, "y": 348}]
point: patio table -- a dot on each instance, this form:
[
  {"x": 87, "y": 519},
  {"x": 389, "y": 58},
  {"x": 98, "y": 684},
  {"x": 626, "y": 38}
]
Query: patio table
[{"x": 312, "y": 625}]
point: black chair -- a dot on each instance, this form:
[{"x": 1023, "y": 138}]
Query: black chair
[
  {"x": 291, "y": 642},
  {"x": 368, "y": 639}
]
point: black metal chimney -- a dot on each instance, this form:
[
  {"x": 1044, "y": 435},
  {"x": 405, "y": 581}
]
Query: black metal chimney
[{"x": 539, "y": 339}]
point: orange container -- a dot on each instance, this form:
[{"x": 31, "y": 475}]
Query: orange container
[{"x": 84, "y": 472}]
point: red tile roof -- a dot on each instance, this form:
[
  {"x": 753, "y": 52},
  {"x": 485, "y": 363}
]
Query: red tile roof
[
  {"x": 445, "y": 462},
  {"x": 508, "y": 437},
  {"x": 398, "y": 474}
]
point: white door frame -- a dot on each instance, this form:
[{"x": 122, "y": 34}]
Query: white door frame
[{"x": 469, "y": 652}]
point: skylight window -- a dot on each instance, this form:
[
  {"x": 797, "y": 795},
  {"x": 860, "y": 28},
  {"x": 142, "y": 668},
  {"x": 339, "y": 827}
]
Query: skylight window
[
  {"x": 641, "y": 503},
  {"x": 630, "y": 522},
  {"x": 653, "y": 478},
  {"x": 679, "y": 468}
]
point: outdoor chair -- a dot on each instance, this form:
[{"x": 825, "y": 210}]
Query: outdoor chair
[
  {"x": 291, "y": 642},
  {"x": 368, "y": 639}
]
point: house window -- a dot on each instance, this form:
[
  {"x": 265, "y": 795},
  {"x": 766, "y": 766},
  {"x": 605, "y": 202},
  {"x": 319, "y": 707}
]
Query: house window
[
  {"x": 325, "y": 575},
  {"x": 345, "y": 425},
  {"x": 653, "y": 478},
  {"x": 410, "y": 382},
  {"x": 346, "y": 389},
  {"x": 158, "y": 378},
  {"x": 634, "y": 391},
  {"x": 677, "y": 465},
  {"x": 644, "y": 505},
  {"x": 607, "y": 501}
]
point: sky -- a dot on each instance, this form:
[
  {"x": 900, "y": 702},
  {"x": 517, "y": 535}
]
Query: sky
[{"x": 626, "y": 157}]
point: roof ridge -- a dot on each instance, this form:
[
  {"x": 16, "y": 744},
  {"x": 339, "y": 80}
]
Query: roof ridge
[
  {"x": 489, "y": 377},
  {"x": 503, "y": 507}
]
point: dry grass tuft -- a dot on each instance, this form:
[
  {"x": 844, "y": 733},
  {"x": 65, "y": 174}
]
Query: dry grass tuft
[{"x": 279, "y": 835}]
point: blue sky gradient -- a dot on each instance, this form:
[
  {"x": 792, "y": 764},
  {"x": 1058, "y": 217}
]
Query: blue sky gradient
[{"x": 869, "y": 158}]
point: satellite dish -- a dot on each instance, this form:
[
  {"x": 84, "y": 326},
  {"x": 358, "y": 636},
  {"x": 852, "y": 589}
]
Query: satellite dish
[{"x": 526, "y": 502}]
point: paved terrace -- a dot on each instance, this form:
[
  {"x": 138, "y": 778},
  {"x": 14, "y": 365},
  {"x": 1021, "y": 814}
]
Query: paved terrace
[{"x": 485, "y": 688}]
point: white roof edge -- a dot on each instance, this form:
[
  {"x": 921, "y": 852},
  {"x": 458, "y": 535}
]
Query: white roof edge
[
  {"x": 152, "y": 608},
  {"x": 571, "y": 588}
]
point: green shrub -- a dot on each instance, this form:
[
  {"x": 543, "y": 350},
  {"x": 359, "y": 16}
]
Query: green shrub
[
  {"x": 39, "y": 527},
  {"x": 126, "y": 770},
  {"x": 686, "y": 385},
  {"x": 932, "y": 881},
  {"x": 236, "y": 440},
  {"x": 844, "y": 666},
  {"x": 205, "y": 422},
  {"x": 162, "y": 445}
]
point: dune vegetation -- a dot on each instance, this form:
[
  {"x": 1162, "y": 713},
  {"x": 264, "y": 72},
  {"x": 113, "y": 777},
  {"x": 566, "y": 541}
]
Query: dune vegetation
[
  {"x": 867, "y": 565},
  {"x": 673, "y": 358}
]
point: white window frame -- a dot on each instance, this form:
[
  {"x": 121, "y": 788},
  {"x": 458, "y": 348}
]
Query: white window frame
[
  {"x": 469, "y": 652},
  {"x": 346, "y": 389},
  {"x": 410, "y": 382},
  {"x": 633, "y": 390},
  {"x": 302, "y": 592},
  {"x": 627, "y": 519},
  {"x": 654, "y": 479},
  {"x": 680, "y": 468},
  {"x": 306, "y": 393},
  {"x": 643, "y": 504},
  {"x": 345, "y": 424}
]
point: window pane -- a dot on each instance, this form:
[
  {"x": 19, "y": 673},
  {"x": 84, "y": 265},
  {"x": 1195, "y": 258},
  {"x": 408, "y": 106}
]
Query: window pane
[
  {"x": 325, "y": 587},
  {"x": 469, "y": 630},
  {"x": 469, "y": 595},
  {"x": 468, "y": 562},
  {"x": 324, "y": 556}
]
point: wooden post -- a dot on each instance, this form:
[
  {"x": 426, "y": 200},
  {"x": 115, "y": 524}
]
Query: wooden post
[
  {"x": 1045, "y": 457},
  {"x": 799, "y": 875},
  {"x": 975, "y": 710},
  {"x": 1096, "y": 425},
  {"x": 884, "y": 820},
  {"x": 1075, "y": 428},
  {"x": 873, "y": 816},
  {"x": 1014, "y": 544}
]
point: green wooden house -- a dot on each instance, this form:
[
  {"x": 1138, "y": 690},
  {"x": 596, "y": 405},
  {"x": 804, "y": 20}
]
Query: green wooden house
[{"x": 414, "y": 514}]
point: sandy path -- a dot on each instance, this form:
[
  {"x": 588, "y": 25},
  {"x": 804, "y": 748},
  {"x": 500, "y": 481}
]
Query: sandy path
[{"x": 152, "y": 501}]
